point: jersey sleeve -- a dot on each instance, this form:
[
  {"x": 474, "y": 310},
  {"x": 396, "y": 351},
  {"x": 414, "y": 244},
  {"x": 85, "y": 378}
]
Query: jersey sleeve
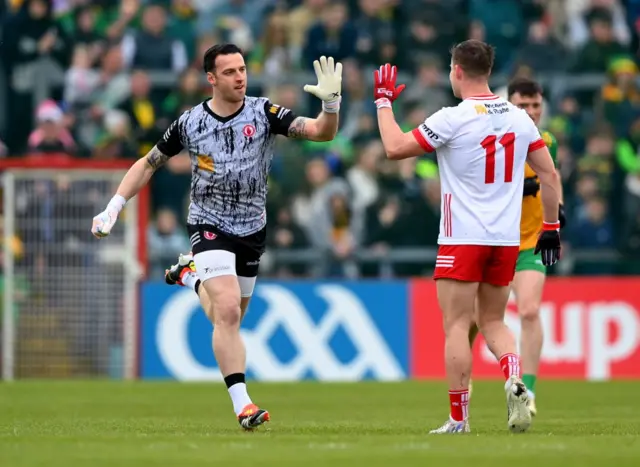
[
  {"x": 280, "y": 118},
  {"x": 535, "y": 139},
  {"x": 171, "y": 142},
  {"x": 436, "y": 130}
]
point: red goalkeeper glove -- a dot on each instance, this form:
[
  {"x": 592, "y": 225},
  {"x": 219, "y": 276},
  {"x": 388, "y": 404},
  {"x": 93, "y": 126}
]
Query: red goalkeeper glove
[{"x": 384, "y": 86}]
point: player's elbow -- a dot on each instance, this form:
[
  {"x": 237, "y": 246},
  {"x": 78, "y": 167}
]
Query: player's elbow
[
  {"x": 325, "y": 136},
  {"x": 394, "y": 153}
]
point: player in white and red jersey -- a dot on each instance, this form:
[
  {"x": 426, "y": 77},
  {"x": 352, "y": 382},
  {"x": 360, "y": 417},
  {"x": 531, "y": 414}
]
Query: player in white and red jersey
[{"x": 482, "y": 145}]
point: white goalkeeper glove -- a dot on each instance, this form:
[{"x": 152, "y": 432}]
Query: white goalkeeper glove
[
  {"x": 104, "y": 222},
  {"x": 329, "y": 85}
]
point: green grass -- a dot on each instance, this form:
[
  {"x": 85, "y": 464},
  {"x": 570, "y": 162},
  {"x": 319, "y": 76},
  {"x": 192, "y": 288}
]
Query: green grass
[{"x": 169, "y": 424}]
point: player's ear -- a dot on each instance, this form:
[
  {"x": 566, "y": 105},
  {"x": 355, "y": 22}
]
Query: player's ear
[
  {"x": 211, "y": 78},
  {"x": 457, "y": 70}
]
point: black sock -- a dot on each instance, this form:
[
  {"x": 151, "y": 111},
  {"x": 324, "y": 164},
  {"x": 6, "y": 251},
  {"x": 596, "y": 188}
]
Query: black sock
[
  {"x": 197, "y": 286},
  {"x": 234, "y": 378}
]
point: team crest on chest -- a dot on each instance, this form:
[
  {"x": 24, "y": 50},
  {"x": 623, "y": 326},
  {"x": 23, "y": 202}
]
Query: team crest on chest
[{"x": 249, "y": 130}]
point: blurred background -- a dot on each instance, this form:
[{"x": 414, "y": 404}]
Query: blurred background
[{"x": 93, "y": 84}]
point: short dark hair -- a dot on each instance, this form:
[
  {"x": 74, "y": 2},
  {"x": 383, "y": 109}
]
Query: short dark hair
[
  {"x": 474, "y": 57},
  {"x": 524, "y": 86},
  {"x": 214, "y": 52}
]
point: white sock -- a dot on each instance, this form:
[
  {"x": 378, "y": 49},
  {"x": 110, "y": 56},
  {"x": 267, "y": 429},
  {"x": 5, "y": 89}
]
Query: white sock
[
  {"x": 239, "y": 397},
  {"x": 190, "y": 279}
]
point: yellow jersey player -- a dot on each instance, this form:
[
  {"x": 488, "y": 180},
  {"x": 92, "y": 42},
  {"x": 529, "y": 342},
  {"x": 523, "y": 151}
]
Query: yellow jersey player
[{"x": 530, "y": 273}]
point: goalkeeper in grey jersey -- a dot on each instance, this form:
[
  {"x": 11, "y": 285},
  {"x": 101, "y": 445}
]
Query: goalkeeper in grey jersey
[{"x": 230, "y": 141}]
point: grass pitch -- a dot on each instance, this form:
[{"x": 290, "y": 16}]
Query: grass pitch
[{"x": 374, "y": 424}]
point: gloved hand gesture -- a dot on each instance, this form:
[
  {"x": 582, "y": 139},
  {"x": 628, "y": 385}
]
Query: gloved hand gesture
[{"x": 329, "y": 87}]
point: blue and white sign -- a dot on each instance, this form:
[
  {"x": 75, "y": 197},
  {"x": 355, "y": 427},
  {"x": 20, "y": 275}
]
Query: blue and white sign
[{"x": 328, "y": 331}]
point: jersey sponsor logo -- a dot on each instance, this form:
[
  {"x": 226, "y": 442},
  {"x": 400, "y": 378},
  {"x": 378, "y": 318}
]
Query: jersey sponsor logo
[
  {"x": 209, "y": 235},
  {"x": 429, "y": 132},
  {"x": 295, "y": 331},
  {"x": 481, "y": 109},
  {"x": 205, "y": 162},
  {"x": 274, "y": 109},
  {"x": 249, "y": 130}
]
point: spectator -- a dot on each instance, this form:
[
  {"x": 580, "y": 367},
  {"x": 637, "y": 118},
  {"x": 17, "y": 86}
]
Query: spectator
[
  {"x": 50, "y": 134},
  {"x": 375, "y": 35},
  {"x": 620, "y": 97},
  {"x": 144, "y": 112},
  {"x": 34, "y": 46},
  {"x": 333, "y": 36},
  {"x": 273, "y": 57},
  {"x": 363, "y": 177},
  {"x": 503, "y": 21},
  {"x": 299, "y": 20},
  {"x": 190, "y": 93},
  {"x": 116, "y": 141},
  {"x": 427, "y": 92},
  {"x": 153, "y": 48},
  {"x": 286, "y": 235},
  {"x": 580, "y": 13},
  {"x": 541, "y": 52},
  {"x": 325, "y": 214},
  {"x": 601, "y": 47},
  {"x": 593, "y": 230}
]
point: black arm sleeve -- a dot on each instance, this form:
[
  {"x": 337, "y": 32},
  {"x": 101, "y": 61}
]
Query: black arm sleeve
[
  {"x": 171, "y": 144},
  {"x": 280, "y": 118}
]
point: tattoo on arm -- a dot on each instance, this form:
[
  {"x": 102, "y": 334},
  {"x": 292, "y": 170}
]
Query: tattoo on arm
[
  {"x": 156, "y": 158},
  {"x": 297, "y": 129}
]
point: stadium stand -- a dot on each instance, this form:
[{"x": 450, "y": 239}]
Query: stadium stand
[{"x": 100, "y": 80}]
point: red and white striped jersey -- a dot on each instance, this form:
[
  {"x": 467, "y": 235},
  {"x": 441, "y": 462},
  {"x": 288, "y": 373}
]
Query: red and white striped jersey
[{"x": 482, "y": 146}]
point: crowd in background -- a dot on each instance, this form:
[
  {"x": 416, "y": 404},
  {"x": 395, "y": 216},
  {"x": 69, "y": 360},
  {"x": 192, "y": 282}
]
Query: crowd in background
[{"x": 119, "y": 71}]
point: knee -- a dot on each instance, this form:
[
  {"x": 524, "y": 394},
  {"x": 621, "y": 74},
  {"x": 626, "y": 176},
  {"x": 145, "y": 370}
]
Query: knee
[
  {"x": 227, "y": 312},
  {"x": 457, "y": 327},
  {"x": 529, "y": 311}
]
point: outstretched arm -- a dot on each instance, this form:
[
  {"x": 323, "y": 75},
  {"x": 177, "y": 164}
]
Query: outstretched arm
[
  {"x": 136, "y": 177},
  {"x": 328, "y": 89},
  {"x": 429, "y": 136},
  {"x": 323, "y": 128},
  {"x": 397, "y": 144}
]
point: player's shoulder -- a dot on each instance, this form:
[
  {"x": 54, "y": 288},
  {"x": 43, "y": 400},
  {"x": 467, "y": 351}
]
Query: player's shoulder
[
  {"x": 257, "y": 104},
  {"x": 194, "y": 112}
]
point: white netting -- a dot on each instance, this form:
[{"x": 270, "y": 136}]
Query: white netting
[{"x": 72, "y": 297}]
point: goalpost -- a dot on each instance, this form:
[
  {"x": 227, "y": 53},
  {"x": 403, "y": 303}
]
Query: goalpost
[{"x": 70, "y": 301}]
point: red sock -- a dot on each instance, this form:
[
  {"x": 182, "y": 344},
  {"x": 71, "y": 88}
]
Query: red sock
[
  {"x": 510, "y": 365},
  {"x": 459, "y": 401}
]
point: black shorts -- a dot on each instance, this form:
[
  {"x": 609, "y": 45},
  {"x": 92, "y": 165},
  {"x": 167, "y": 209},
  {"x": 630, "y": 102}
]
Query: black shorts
[{"x": 248, "y": 250}]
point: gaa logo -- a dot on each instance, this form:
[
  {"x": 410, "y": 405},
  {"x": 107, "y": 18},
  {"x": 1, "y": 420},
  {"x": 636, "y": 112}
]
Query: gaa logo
[
  {"x": 249, "y": 130},
  {"x": 209, "y": 235}
]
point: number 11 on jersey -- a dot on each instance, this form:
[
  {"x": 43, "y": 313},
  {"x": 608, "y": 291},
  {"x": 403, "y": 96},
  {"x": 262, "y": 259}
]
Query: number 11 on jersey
[{"x": 507, "y": 141}]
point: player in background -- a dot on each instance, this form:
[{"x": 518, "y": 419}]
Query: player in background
[
  {"x": 530, "y": 274},
  {"x": 482, "y": 145},
  {"x": 230, "y": 140}
]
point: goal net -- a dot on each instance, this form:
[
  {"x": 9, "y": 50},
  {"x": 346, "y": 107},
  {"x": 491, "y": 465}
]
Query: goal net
[{"x": 69, "y": 301}]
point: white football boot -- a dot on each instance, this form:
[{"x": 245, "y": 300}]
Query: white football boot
[
  {"x": 518, "y": 413},
  {"x": 451, "y": 426}
]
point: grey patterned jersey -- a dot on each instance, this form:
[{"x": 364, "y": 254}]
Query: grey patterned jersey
[{"x": 230, "y": 161}]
